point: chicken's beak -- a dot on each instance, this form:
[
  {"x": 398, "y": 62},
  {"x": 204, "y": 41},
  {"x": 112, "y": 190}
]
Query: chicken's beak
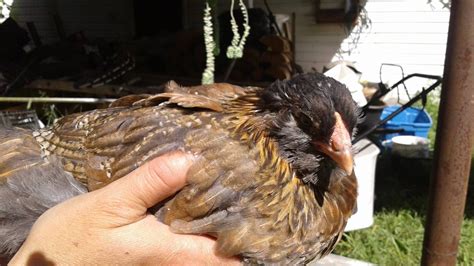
[{"x": 340, "y": 147}]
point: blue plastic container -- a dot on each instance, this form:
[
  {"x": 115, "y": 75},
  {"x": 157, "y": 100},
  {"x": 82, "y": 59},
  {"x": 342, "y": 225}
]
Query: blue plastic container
[{"x": 414, "y": 122}]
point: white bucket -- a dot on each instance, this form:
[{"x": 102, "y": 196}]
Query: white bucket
[
  {"x": 365, "y": 162},
  {"x": 411, "y": 146}
]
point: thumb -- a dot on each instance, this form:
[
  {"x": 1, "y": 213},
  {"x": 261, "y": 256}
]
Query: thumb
[{"x": 154, "y": 181}]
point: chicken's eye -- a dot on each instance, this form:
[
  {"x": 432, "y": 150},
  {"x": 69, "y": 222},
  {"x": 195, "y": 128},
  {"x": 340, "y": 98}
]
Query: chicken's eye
[{"x": 305, "y": 123}]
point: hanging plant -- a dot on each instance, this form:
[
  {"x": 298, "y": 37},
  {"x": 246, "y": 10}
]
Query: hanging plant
[
  {"x": 236, "y": 48},
  {"x": 444, "y": 3},
  {"x": 5, "y": 8},
  {"x": 208, "y": 74},
  {"x": 355, "y": 32}
]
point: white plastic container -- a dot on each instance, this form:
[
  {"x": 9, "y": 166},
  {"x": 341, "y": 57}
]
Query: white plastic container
[
  {"x": 411, "y": 146},
  {"x": 365, "y": 163}
]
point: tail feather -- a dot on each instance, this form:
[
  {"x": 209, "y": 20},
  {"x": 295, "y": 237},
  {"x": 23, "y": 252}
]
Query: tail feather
[{"x": 28, "y": 193}]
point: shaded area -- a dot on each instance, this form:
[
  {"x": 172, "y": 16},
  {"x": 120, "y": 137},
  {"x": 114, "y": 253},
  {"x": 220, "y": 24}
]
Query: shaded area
[
  {"x": 401, "y": 199},
  {"x": 403, "y": 183}
]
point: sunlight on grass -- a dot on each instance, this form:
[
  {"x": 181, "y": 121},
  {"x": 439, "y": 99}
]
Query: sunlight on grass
[{"x": 396, "y": 238}]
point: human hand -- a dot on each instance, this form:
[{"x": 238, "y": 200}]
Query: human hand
[{"x": 112, "y": 226}]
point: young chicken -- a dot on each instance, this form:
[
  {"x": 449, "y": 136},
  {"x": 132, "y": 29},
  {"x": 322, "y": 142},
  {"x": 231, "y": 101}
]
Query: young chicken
[{"x": 272, "y": 179}]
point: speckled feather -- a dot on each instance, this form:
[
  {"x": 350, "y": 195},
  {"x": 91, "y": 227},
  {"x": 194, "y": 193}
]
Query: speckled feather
[
  {"x": 243, "y": 187},
  {"x": 30, "y": 184}
]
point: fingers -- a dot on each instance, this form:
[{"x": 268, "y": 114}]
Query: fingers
[
  {"x": 154, "y": 181},
  {"x": 160, "y": 244}
]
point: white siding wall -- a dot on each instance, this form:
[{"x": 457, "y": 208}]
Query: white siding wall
[{"x": 411, "y": 33}]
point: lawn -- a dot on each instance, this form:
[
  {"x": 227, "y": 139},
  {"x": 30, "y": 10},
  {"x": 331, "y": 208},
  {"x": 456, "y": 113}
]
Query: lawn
[
  {"x": 397, "y": 234},
  {"x": 401, "y": 195}
]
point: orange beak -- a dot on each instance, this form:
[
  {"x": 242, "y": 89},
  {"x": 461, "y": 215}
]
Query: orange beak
[{"x": 339, "y": 147}]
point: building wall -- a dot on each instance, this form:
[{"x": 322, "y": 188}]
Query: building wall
[
  {"x": 411, "y": 33},
  {"x": 109, "y": 19},
  {"x": 101, "y": 18},
  {"x": 38, "y": 11}
]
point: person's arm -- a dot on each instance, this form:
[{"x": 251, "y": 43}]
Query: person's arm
[{"x": 112, "y": 226}]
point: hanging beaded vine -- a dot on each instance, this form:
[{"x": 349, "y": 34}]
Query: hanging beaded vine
[
  {"x": 5, "y": 8},
  {"x": 208, "y": 74},
  {"x": 236, "y": 48}
]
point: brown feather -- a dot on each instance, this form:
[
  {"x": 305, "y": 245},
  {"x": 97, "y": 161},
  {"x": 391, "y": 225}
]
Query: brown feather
[{"x": 240, "y": 189}]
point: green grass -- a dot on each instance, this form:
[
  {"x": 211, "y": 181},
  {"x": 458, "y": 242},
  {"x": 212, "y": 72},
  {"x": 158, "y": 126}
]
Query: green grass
[
  {"x": 401, "y": 196},
  {"x": 394, "y": 239},
  {"x": 397, "y": 234},
  {"x": 432, "y": 107}
]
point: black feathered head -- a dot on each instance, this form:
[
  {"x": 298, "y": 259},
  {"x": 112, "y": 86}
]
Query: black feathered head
[{"x": 315, "y": 118}]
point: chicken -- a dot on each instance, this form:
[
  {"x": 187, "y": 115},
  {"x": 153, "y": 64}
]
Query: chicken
[{"x": 272, "y": 180}]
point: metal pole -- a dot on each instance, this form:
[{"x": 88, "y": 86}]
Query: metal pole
[
  {"x": 454, "y": 141},
  {"x": 54, "y": 100}
]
